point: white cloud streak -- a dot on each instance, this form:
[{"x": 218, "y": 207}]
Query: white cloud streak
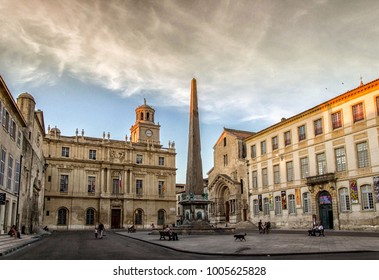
[{"x": 248, "y": 56}]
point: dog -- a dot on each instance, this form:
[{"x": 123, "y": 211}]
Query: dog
[{"x": 240, "y": 237}]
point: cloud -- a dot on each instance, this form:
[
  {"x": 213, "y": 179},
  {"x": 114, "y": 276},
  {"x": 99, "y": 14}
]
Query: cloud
[{"x": 246, "y": 55}]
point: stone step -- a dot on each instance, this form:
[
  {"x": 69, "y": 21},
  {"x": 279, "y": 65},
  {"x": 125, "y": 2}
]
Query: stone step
[{"x": 8, "y": 243}]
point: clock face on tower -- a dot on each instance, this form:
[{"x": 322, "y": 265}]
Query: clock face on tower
[{"x": 149, "y": 133}]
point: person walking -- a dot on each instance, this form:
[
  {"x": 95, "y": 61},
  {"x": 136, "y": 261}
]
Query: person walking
[
  {"x": 96, "y": 232},
  {"x": 101, "y": 230}
]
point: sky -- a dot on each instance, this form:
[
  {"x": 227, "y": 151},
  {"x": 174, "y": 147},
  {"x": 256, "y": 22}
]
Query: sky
[{"x": 90, "y": 64}]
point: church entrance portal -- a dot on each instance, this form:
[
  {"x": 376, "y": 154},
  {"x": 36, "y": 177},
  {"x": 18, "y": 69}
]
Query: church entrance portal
[{"x": 325, "y": 205}]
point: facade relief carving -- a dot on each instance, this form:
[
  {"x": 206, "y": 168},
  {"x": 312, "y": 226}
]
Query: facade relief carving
[{"x": 117, "y": 155}]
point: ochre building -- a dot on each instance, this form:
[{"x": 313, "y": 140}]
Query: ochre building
[{"x": 320, "y": 166}]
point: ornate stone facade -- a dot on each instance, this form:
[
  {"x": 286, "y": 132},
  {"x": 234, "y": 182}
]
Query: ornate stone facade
[
  {"x": 117, "y": 183},
  {"x": 227, "y": 181}
]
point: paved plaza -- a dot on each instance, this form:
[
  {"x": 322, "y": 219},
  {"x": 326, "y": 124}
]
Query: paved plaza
[{"x": 276, "y": 243}]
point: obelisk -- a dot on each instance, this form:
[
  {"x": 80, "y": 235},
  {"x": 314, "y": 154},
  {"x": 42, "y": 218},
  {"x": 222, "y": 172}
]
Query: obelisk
[{"x": 194, "y": 179}]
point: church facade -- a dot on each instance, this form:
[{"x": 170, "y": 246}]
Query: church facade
[
  {"x": 227, "y": 180},
  {"x": 117, "y": 183},
  {"x": 321, "y": 165}
]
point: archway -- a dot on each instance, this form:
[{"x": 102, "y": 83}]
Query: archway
[{"x": 325, "y": 206}]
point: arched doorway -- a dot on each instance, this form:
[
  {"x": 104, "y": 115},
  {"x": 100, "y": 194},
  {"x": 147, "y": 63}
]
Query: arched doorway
[
  {"x": 325, "y": 206},
  {"x": 161, "y": 217}
]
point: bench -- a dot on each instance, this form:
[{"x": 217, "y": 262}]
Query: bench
[
  {"x": 312, "y": 232},
  {"x": 171, "y": 236},
  {"x": 131, "y": 229}
]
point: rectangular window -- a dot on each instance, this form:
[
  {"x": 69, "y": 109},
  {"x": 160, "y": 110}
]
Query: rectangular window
[
  {"x": 116, "y": 183},
  {"x": 276, "y": 174},
  {"x": 337, "y": 120},
  {"x": 161, "y": 161},
  {"x": 10, "y": 172},
  {"x": 362, "y": 155},
  {"x": 255, "y": 179},
  {"x": 340, "y": 159},
  {"x": 302, "y": 133},
  {"x": 344, "y": 200},
  {"x": 92, "y": 154},
  {"x": 306, "y": 203},
  {"x": 225, "y": 160},
  {"x": 292, "y": 204},
  {"x": 264, "y": 177},
  {"x": 161, "y": 188},
  {"x": 5, "y": 119},
  {"x": 19, "y": 137},
  {"x": 64, "y": 183},
  {"x": 263, "y": 147},
  {"x": 139, "y": 190},
  {"x": 256, "y": 207},
  {"x": 17, "y": 177},
  {"x": 289, "y": 169},
  {"x": 253, "y": 151},
  {"x": 139, "y": 159},
  {"x": 65, "y": 151},
  {"x": 91, "y": 184},
  {"x": 377, "y": 105},
  {"x": 12, "y": 129},
  {"x": 274, "y": 143},
  {"x": 367, "y": 198},
  {"x": 2, "y": 166},
  {"x": 321, "y": 164},
  {"x": 358, "y": 113},
  {"x": 278, "y": 205},
  {"x": 304, "y": 167},
  {"x": 266, "y": 206},
  {"x": 318, "y": 127},
  {"x": 287, "y": 138}
]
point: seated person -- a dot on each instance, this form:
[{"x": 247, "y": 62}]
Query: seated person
[{"x": 168, "y": 230}]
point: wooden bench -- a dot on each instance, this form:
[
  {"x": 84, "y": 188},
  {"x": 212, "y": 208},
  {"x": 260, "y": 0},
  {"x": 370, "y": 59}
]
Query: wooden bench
[{"x": 171, "y": 236}]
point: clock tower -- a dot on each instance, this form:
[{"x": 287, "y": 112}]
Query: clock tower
[{"x": 145, "y": 130}]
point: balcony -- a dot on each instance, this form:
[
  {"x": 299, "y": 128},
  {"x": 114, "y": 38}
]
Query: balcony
[{"x": 321, "y": 179}]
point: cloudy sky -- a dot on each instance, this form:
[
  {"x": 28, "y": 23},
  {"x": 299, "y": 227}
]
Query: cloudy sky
[{"x": 89, "y": 64}]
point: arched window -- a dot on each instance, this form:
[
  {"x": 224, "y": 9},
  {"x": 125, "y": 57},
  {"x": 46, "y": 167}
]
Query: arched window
[
  {"x": 138, "y": 217},
  {"x": 62, "y": 216},
  {"x": 278, "y": 205},
  {"x": 367, "y": 198},
  {"x": 161, "y": 217},
  {"x": 344, "y": 200},
  {"x": 292, "y": 204},
  {"x": 90, "y": 217},
  {"x": 306, "y": 202}
]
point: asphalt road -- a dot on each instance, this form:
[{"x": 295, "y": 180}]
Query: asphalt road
[{"x": 82, "y": 245}]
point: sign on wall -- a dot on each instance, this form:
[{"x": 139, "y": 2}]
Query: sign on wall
[{"x": 353, "y": 191}]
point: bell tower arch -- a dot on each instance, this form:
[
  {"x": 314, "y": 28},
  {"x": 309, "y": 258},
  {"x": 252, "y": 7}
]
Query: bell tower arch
[{"x": 144, "y": 129}]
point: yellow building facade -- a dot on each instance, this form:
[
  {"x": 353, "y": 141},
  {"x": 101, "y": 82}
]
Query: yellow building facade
[
  {"x": 321, "y": 165},
  {"x": 117, "y": 183}
]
